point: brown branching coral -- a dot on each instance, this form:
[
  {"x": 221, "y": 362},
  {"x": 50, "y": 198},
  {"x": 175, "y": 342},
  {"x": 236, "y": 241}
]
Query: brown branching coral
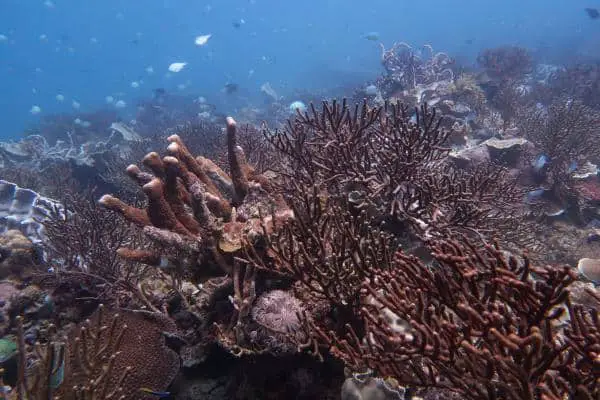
[
  {"x": 580, "y": 81},
  {"x": 566, "y": 133},
  {"x": 478, "y": 323},
  {"x": 82, "y": 245},
  {"x": 328, "y": 250},
  {"x": 392, "y": 161}
]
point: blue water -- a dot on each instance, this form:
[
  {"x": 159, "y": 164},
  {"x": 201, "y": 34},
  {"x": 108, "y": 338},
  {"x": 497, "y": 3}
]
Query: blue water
[{"x": 86, "y": 50}]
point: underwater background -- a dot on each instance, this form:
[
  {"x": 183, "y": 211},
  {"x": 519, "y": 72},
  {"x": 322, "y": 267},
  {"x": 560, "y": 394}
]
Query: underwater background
[
  {"x": 86, "y": 51},
  {"x": 333, "y": 200}
]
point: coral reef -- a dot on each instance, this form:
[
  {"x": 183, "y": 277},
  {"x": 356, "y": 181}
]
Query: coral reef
[
  {"x": 478, "y": 323},
  {"x": 367, "y": 247}
]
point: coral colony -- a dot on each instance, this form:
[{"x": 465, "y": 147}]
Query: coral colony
[{"x": 433, "y": 236}]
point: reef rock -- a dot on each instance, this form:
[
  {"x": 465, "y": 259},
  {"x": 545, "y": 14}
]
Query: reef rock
[
  {"x": 506, "y": 152},
  {"x": 18, "y": 255}
]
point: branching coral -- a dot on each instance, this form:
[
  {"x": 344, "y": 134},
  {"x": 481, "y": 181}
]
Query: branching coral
[
  {"x": 82, "y": 245},
  {"x": 392, "y": 162},
  {"x": 476, "y": 322},
  {"x": 580, "y": 81},
  {"x": 566, "y": 135},
  {"x": 506, "y": 63},
  {"x": 406, "y": 67}
]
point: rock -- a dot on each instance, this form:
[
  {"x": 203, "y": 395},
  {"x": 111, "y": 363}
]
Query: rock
[
  {"x": 579, "y": 291},
  {"x": 193, "y": 388},
  {"x": 470, "y": 157},
  {"x": 18, "y": 255},
  {"x": 365, "y": 387},
  {"x": 506, "y": 152}
]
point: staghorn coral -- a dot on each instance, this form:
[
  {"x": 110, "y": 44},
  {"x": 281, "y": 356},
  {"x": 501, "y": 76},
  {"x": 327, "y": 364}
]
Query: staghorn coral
[{"x": 476, "y": 323}]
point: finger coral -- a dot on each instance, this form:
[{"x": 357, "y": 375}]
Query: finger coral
[{"x": 193, "y": 205}]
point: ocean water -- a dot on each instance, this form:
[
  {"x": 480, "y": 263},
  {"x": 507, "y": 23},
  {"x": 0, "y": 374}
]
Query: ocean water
[{"x": 85, "y": 51}]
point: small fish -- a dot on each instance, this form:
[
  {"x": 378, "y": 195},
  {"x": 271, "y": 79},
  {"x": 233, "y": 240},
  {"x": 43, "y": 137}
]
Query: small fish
[
  {"x": 202, "y": 39},
  {"x": 155, "y": 393},
  {"x": 540, "y": 162},
  {"x": 177, "y": 66},
  {"x": 231, "y": 88},
  {"x": 593, "y": 13},
  {"x": 372, "y": 36},
  {"x": 237, "y": 24},
  {"x": 535, "y": 195},
  {"x": 159, "y": 92}
]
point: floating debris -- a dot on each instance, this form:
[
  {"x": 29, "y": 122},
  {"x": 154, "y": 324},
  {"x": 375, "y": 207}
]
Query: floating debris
[
  {"x": 177, "y": 66},
  {"x": 269, "y": 92},
  {"x": 135, "y": 84},
  {"x": 202, "y": 39}
]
